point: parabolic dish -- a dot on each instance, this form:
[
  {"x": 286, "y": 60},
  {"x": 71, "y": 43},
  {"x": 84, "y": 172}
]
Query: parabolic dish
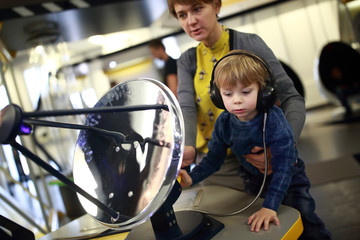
[{"x": 132, "y": 166}]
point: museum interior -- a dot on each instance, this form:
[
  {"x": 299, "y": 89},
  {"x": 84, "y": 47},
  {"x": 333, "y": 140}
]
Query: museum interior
[{"x": 67, "y": 61}]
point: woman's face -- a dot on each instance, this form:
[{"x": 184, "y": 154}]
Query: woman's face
[{"x": 199, "y": 21}]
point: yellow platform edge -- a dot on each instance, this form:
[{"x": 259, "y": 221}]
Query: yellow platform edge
[
  {"x": 295, "y": 231},
  {"x": 118, "y": 236}
]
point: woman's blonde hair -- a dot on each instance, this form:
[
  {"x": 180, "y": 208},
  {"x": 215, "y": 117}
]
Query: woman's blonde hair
[
  {"x": 171, "y": 4},
  {"x": 236, "y": 67}
]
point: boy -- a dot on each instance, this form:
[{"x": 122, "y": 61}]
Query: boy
[{"x": 245, "y": 86}]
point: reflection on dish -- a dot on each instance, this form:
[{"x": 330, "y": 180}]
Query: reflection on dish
[{"x": 133, "y": 170}]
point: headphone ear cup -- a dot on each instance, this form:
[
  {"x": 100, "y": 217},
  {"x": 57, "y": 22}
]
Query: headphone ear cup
[
  {"x": 266, "y": 97},
  {"x": 216, "y": 96}
]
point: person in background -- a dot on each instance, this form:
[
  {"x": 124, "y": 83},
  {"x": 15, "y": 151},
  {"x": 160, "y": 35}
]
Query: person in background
[
  {"x": 243, "y": 85},
  {"x": 157, "y": 50},
  {"x": 199, "y": 20}
]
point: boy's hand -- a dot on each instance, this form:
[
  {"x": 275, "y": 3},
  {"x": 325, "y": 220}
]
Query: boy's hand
[
  {"x": 262, "y": 217},
  {"x": 188, "y": 156},
  {"x": 186, "y": 180}
]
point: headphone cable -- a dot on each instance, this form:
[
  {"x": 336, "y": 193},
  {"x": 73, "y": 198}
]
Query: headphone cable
[{"x": 261, "y": 188}]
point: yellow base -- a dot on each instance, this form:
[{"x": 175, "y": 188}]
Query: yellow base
[
  {"x": 295, "y": 231},
  {"x": 119, "y": 236}
]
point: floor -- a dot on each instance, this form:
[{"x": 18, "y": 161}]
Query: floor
[{"x": 322, "y": 140}]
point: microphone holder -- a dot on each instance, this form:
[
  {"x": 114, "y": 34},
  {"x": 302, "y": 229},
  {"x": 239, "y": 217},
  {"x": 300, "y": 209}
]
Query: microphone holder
[{"x": 136, "y": 183}]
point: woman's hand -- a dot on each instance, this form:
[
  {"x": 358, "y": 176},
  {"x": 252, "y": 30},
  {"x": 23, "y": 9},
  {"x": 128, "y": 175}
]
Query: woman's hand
[
  {"x": 257, "y": 159},
  {"x": 186, "y": 180},
  {"x": 262, "y": 217},
  {"x": 189, "y": 156}
]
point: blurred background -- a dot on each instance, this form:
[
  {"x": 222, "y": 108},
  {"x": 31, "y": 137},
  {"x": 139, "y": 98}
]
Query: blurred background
[{"x": 66, "y": 54}]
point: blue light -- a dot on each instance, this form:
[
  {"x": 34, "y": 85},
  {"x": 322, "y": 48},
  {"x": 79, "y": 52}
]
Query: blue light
[{"x": 25, "y": 129}]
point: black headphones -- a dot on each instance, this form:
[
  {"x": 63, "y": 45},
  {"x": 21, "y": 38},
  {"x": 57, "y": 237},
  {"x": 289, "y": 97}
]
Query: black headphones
[{"x": 267, "y": 95}]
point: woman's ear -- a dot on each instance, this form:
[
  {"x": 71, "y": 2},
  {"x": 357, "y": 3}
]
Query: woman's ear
[{"x": 217, "y": 6}]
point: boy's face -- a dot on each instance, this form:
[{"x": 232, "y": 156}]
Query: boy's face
[{"x": 241, "y": 100}]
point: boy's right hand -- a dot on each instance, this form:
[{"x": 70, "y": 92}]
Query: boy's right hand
[
  {"x": 186, "y": 180},
  {"x": 263, "y": 217}
]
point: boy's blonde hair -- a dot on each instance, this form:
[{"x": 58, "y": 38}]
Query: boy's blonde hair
[
  {"x": 236, "y": 67},
  {"x": 171, "y": 4}
]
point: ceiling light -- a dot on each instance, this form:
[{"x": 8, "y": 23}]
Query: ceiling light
[{"x": 112, "y": 64}]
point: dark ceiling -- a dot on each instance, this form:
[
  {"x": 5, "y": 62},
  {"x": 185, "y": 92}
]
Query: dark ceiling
[{"x": 26, "y": 21}]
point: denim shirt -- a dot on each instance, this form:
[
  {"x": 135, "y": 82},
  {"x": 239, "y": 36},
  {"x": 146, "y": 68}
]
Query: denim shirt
[{"x": 241, "y": 137}]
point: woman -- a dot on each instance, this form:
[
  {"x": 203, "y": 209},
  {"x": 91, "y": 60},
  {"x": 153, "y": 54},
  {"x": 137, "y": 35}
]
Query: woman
[{"x": 198, "y": 19}]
